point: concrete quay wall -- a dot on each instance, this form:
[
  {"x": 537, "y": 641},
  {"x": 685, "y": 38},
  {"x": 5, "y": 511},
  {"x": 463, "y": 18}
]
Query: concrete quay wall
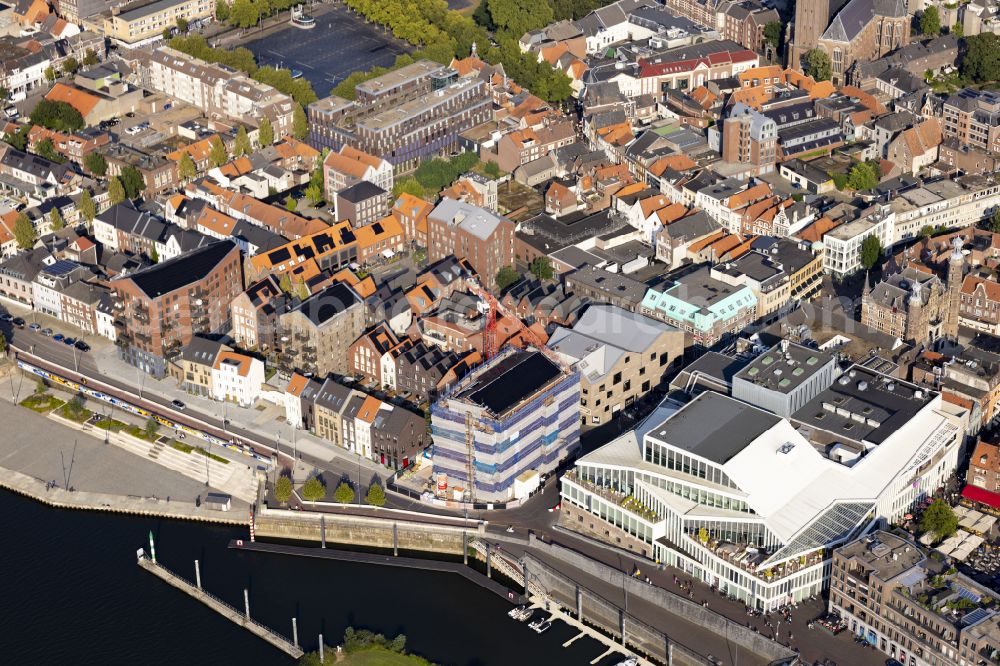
[
  {"x": 669, "y": 602},
  {"x": 35, "y": 489},
  {"x": 361, "y": 531}
]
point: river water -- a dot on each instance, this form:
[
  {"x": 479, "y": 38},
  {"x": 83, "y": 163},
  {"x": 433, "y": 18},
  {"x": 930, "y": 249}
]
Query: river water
[{"x": 72, "y": 593}]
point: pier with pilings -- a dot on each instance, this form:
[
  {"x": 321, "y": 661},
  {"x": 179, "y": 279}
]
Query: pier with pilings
[{"x": 243, "y": 619}]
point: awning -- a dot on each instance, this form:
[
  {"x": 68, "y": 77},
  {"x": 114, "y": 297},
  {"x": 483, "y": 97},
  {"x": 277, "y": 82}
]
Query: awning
[{"x": 981, "y": 495}]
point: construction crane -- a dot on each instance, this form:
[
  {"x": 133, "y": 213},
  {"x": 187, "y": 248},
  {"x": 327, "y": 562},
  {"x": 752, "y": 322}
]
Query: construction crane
[{"x": 490, "y": 343}]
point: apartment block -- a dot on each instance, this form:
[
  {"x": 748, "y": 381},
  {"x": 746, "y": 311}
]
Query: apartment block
[
  {"x": 159, "y": 309},
  {"x": 972, "y": 117},
  {"x": 481, "y": 237},
  {"x": 145, "y": 24},
  {"x": 407, "y": 115}
]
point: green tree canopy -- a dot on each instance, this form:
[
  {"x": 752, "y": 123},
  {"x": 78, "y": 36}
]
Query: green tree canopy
[
  {"x": 981, "y": 61},
  {"x": 58, "y": 116},
  {"x": 871, "y": 251},
  {"x": 44, "y": 148},
  {"x": 24, "y": 232},
  {"x": 116, "y": 191},
  {"x": 152, "y": 426},
  {"x": 344, "y": 494},
  {"x": 940, "y": 519},
  {"x": 217, "y": 155},
  {"x": 816, "y": 64},
  {"x": 50, "y": 74},
  {"x": 96, "y": 164},
  {"x": 283, "y": 489},
  {"x": 300, "y": 125},
  {"x": 265, "y": 134},
  {"x": 958, "y": 30},
  {"x": 186, "y": 168},
  {"x": 314, "y": 193},
  {"x": 291, "y": 204},
  {"x": 241, "y": 145},
  {"x": 70, "y": 65},
  {"x": 772, "y": 33},
  {"x": 541, "y": 268},
  {"x": 507, "y": 276},
  {"x": 492, "y": 169},
  {"x": 863, "y": 176},
  {"x": 182, "y": 24},
  {"x": 995, "y": 221},
  {"x": 221, "y": 10},
  {"x": 375, "y": 496},
  {"x": 930, "y": 22},
  {"x": 56, "y": 219},
  {"x": 519, "y": 16},
  {"x": 90, "y": 58},
  {"x": 132, "y": 181},
  {"x": 18, "y": 139},
  {"x": 3, "y": 343},
  {"x": 87, "y": 208},
  {"x": 313, "y": 490}
]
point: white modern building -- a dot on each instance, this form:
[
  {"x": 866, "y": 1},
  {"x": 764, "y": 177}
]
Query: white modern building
[
  {"x": 751, "y": 502},
  {"x": 842, "y": 256},
  {"x": 237, "y": 378}
]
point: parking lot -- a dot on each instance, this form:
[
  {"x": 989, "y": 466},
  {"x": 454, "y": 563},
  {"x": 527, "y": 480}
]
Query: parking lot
[{"x": 341, "y": 43}]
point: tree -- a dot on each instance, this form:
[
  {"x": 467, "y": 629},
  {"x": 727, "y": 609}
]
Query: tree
[
  {"x": 186, "y": 167},
  {"x": 56, "y": 219},
  {"x": 4, "y": 94},
  {"x": 817, "y": 65},
  {"x": 492, "y": 169},
  {"x": 221, "y": 10},
  {"x": 300, "y": 126},
  {"x": 58, "y": 116},
  {"x": 930, "y": 22},
  {"x": 375, "y": 496},
  {"x": 519, "y": 16},
  {"x": 313, "y": 490},
  {"x": 116, "y": 191},
  {"x": 18, "y": 139},
  {"x": 314, "y": 193},
  {"x": 291, "y": 204},
  {"x": 96, "y": 164},
  {"x": 344, "y": 494},
  {"x": 132, "y": 181},
  {"x": 283, "y": 489},
  {"x": 541, "y": 268},
  {"x": 50, "y": 74},
  {"x": 44, "y": 148},
  {"x": 87, "y": 208},
  {"x": 507, "y": 276},
  {"x": 265, "y": 134},
  {"x": 167, "y": 33},
  {"x": 70, "y": 65},
  {"x": 926, "y": 231},
  {"x": 24, "y": 232},
  {"x": 995, "y": 221},
  {"x": 182, "y": 24},
  {"x": 217, "y": 155},
  {"x": 958, "y": 30},
  {"x": 863, "y": 176},
  {"x": 285, "y": 283},
  {"x": 940, "y": 519},
  {"x": 90, "y": 58},
  {"x": 871, "y": 251},
  {"x": 772, "y": 34},
  {"x": 3, "y": 343},
  {"x": 241, "y": 145},
  {"x": 152, "y": 426},
  {"x": 981, "y": 62}
]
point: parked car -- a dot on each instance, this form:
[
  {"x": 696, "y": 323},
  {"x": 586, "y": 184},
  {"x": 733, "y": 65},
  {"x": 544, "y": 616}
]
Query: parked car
[
  {"x": 46, "y": 332},
  {"x": 34, "y": 327},
  {"x": 19, "y": 322},
  {"x": 178, "y": 404},
  {"x": 82, "y": 346},
  {"x": 58, "y": 337},
  {"x": 69, "y": 341}
]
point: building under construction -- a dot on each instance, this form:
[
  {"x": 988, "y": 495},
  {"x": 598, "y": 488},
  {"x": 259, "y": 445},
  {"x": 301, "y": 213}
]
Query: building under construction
[{"x": 518, "y": 413}]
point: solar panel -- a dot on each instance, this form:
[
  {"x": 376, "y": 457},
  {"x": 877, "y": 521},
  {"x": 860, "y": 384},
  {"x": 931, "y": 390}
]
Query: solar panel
[{"x": 976, "y": 616}]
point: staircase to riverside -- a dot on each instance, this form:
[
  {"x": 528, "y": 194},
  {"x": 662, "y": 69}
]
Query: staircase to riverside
[{"x": 234, "y": 478}]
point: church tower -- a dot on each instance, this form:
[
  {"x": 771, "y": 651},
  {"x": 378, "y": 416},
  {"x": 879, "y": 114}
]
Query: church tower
[
  {"x": 953, "y": 290},
  {"x": 916, "y": 326}
]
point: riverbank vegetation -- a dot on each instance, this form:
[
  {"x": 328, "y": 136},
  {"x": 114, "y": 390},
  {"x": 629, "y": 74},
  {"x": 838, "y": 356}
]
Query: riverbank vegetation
[{"x": 366, "y": 648}]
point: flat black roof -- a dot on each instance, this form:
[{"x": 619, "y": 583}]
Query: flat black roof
[
  {"x": 714, "y": 427},
  {"x": 181, "y": 271},
  {"x": 511, "y": 380}
]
